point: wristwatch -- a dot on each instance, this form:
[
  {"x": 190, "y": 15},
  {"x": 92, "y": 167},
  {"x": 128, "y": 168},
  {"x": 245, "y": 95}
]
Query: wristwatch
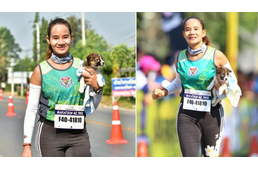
[{"x": 98, "y": 91}]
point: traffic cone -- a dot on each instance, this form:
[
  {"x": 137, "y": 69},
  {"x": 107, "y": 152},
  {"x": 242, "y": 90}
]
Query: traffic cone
[
  {"x": 225, "y": 150},
  {"x": 253, "y": 148},
  {"x": 27, "y": 98},
  {"x": 1, "y": 94},
  {"x": 10, "y": 111},
  {"x": 142, "y": 149},
  {"x": 116, "y": 130}
]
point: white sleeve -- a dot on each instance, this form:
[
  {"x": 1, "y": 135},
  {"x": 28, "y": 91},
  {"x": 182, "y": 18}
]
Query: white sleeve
[
  {"x": 232, "y": 74},
  {"x": 175, "y": 85},
  {"x": 233, "y": 91},
  {"x": 31, "y": 111}
]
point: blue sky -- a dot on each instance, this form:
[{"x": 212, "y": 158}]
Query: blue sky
[{"x": 115, "y": 27}]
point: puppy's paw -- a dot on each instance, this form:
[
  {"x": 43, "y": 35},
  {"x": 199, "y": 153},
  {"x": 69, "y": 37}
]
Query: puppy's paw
[
  {"x": 91, "y": 94},
  {"x": 221, "y": 90},
  {"x": 81, "y": 89},
  {"x": 100, "y": 83}
]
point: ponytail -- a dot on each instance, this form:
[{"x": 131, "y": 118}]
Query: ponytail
[
  {"x": 207, "y": 41},
  {"x": 49, "y": 52}
]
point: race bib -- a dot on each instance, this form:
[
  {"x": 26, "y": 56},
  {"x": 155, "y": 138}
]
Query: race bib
[
  {"x": 197, "y": 100},
  {"x": 69, "y": 117}
]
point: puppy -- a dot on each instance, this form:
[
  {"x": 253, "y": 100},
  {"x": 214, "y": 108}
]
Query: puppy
[
  {"x": 222, "y": 74},
  {"x": 95, "y": 61}
]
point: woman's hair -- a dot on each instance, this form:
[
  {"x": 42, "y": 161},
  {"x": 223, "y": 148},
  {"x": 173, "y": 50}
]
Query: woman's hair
[
  {"x": 205, "y": 39},
  {"x": 49, "y": 28}
]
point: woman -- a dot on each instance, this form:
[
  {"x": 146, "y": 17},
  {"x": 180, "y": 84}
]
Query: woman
[
  {"x": 54, "y": 86},
  {"x": 197, "y": 123}
]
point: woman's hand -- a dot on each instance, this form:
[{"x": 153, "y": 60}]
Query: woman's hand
[
  {"x": 90, "y": 78},
  {"x": 159, "y": 93},
  {"x": 26, "y": 151}
]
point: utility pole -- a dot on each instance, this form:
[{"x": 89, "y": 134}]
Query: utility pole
[
  {"x": 12, "y": 64},
  {"x": 83, "y": 30},
  {"x": 38, "y": 47}
]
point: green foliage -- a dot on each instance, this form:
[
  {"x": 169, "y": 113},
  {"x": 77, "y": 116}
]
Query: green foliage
[
  {"x": 94, "y": 43},
  {"x": 8, "y": 49},
  {"x": 43, "y": 41},
  {"x": 115, "y": 58},
  {"x": 25, "y": 64}
]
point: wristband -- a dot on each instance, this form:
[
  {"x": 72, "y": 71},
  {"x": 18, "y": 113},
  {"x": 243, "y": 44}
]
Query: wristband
[{"x": 26, "y": 144}]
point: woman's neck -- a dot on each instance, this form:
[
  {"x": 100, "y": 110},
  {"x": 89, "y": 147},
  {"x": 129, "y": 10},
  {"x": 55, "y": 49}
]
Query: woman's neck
[
  {"x": 195, "y": 46},
  {"x": 62, "y": 55}
]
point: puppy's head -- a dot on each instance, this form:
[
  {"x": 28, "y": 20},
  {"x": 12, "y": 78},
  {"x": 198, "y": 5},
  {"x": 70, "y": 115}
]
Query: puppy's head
[
  {"x": 94, "y": 60},
  {"x": 223, "y": 73}
]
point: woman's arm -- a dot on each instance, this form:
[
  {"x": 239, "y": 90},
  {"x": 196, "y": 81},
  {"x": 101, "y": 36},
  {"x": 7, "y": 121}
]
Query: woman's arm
[
  {"x": 90, "y": 78},
  {"x": 173, "y": 87},
  {"x": 31, "y": 111},
  {"x": 233, "y": 91},
  {"x": 221, "y": 60}
]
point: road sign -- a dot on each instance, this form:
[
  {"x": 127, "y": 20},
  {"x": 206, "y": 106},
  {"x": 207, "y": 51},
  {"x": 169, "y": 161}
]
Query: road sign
[
  {"x": 18, "y": 77},
  {"x": 123, "y": 86}
]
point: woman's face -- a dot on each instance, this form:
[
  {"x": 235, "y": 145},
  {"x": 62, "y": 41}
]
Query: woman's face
[
  {"x": 60, "y": 40},
  {"x": 193, "y": 33}
]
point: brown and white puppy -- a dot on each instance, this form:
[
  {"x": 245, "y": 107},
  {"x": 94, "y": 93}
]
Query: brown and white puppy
[
  {"x": 95, "y": 61},
  {"x": 221, "y": 75}
]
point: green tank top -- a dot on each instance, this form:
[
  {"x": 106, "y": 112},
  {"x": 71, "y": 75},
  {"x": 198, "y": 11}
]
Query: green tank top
[
  {"x": 59, "y": 87},
  {"x": 198, "y": 74}
]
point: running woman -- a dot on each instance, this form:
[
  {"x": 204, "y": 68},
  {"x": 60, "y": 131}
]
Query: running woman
[
  {"x": 54, "y": 94},
  {"x": 198, "y": 122}
]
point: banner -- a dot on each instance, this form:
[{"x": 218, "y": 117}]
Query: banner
[{"x": 124, "y": 86}]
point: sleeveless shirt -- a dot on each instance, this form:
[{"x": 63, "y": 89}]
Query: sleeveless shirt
[
  {"x": 198, "y": 74},
  {"x": 58, "y": 87}
]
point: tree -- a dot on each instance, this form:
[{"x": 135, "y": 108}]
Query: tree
[
  {"x": 122, "y": 57},
  {"x": 94, "y": 43},
  {"x": 36, "y": 20},
  {"x": 8, "y": 49},
  {"x": 24, "y": 64},
  {"x": 118, "y": 58}
]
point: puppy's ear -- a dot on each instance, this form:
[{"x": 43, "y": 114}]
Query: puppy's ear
[
  {"x": 101, "y": 56},
  {"x": 228, "y": 70},
  {"x": 218, "y": 70},
  {"x": 89, "y": 57}
]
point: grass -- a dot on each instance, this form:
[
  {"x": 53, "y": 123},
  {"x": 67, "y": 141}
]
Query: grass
[{"x": 123, "y": 102}]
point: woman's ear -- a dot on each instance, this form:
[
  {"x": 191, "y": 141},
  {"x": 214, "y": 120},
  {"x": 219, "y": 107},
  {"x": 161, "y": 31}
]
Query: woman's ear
[
  {"x": 183, "y": 33},
  {"x": 71, "y": 37},
  {"x": 48, "y": 40},
  {"x": 204, "y": 32}
]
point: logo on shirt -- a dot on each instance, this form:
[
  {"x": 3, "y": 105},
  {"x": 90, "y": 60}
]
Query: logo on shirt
[
  {"x": 193, "y": 71},
  {"x": 66, "y": 82}
]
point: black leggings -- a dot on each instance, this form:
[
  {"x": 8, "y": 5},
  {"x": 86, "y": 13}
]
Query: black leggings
[
  {"x": 195, "y": 128},
  {"x": 51, "y": 142}
]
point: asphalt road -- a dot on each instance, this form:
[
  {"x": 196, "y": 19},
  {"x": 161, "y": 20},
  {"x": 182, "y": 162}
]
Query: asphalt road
[{"x": 98, "y": 124}]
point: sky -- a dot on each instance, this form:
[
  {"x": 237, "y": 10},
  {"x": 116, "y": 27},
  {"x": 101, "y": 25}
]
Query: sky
[{"x": 115, "y": 27}]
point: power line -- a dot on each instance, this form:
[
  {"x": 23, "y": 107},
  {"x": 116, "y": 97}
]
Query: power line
[
  {"x": 121, "y": 34},
  {"x": 22, "y": 29},
  {"x": 124, "y": 37}
]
